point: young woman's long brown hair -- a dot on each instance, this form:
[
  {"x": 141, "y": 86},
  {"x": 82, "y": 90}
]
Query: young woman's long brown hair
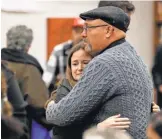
[{"x": 77, "y": 47}]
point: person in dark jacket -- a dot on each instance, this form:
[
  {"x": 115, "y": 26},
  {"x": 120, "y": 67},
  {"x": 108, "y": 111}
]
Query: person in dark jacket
[
  {"x": 11, "y": 127},
  {"x": 14, "y": 94},
  {"x": 28, "y": 71},
  {"x": 157, "y": 75}
]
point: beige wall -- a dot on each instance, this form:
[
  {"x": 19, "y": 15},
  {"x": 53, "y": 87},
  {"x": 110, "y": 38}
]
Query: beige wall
[{"x": 139, "y": 35}]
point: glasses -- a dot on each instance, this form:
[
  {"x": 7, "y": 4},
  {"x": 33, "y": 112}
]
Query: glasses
[{"x": 85, "y": 28}]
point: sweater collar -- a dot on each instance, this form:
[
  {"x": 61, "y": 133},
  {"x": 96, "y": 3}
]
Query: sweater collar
[{"x": 116, "y": 43}]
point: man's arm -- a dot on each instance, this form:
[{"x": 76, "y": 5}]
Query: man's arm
[{"x": 84, "y": 97}]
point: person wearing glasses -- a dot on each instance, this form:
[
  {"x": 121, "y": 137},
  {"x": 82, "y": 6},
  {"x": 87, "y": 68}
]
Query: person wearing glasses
[
  {"x": 115, "y": 81},
  {"x": 56, "y": 68},
  {"x": 78, "y": 59}
]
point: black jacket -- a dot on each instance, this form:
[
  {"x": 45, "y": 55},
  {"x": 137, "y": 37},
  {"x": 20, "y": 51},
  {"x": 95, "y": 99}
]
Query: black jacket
[
  {"x": 157, "y": 68},
  {"x": 63, "y": 89},
  {"x": 73, "y": 131},
  {"x": 157, "y": 74},
  {"x": 14, "y": 95}
]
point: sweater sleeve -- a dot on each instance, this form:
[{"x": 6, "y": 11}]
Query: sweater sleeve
[{"x": 86, "y": 95}]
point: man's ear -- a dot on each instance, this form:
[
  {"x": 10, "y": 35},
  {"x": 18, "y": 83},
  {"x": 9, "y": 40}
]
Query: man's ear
[{"x": 109, "y": 31}]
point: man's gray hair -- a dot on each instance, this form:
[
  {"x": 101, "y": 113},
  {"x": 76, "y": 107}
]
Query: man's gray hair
[
  {"x": 108, "y": 133},
  {"x": 19, "y": 37}
]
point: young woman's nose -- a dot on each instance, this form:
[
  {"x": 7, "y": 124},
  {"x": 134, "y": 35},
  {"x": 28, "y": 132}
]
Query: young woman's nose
[{"x": 80, "y": 67}]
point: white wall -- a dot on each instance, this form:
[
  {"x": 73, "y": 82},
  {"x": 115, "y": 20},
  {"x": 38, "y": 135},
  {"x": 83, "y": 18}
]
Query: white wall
[{"x": 139, "y": 35}]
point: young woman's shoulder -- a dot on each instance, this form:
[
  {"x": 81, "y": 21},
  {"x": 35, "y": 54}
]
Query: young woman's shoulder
[{"x": 63, "y": 89}]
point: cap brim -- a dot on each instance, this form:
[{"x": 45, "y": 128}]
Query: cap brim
[{"x": 86, "y": 17}]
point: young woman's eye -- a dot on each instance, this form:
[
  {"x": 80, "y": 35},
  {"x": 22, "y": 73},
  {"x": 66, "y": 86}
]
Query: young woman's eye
[
  {"x": 75, "y": 64},
  {"x": 86, "y": 62}
]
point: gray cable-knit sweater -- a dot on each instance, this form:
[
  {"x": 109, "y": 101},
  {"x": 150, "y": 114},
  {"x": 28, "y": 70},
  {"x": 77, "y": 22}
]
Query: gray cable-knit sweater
[{"x": 117, "y": 82}]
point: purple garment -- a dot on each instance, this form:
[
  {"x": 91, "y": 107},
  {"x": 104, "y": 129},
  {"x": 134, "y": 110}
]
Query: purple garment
[{"x": 39, "y": 132}]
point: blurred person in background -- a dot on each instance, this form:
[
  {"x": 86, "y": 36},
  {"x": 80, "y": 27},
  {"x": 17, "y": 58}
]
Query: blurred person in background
[
  {"x": 56, "y": 65},
  {"x": 11, "y": 128},
  {"x": 28, "y": 71},
  {"x": 107, "y": 89},
  {"x": 157, "y": 74},
  {"x": 14, "y": 94},
  {"x": 154, "y": 129},
  {"x": 126, "y": 6}
]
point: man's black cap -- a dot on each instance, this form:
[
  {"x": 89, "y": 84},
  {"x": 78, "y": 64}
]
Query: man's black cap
[{"x": 110, "y": 14}]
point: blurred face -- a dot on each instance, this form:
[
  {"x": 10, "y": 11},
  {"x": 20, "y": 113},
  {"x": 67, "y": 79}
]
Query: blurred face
[
  {"x": 76, "y": 34},
  {"x": 79, "y": 60},
  {"x": 151, "y": 134},
  {"x": 94, "y": 33}
]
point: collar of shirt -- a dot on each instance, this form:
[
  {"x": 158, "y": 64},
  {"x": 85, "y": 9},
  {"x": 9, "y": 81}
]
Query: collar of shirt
[{"x": 116, "y": 43}]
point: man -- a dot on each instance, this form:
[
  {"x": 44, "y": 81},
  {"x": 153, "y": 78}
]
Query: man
[
  {"x": 56, "y": 65},
  {"x": 116, "y": 81},
  {"x": 157, "y": 75},
  {"x": 27, "y": 69}
]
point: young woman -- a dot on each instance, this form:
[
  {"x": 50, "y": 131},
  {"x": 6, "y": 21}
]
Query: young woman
[{"x": 79, "y": 57}]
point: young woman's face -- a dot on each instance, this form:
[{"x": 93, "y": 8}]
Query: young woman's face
[{"x": 79, "y": 60}]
